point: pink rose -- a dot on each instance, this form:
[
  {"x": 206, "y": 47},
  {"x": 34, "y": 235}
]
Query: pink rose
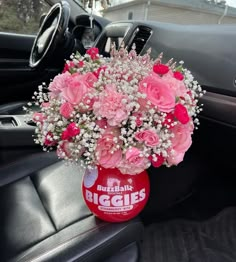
[
  {"x": 182, "y": 139},
  {"x": 59, "y": 83},
  {"x": 102, "y": 123},
  {"x": 133, "y": 163},
  {"x": 110, "y": 106},
  {"x": 38, "y": 117},
  {"x": 66, "y": 110},
  {"x": 149, "y": 137},
  {"x": 181, "y": 142},
  {"x": 75, "y": 89},
  {"x": 158, "y": 92},
  {"x": 64, "y": 149},
  {"x": 88, "y": 100},
  {"x": 108, "y": 155},
  {"x": 138, "y": 120},
  {"x": 175, "y": 84},
  {"x": 176, "y": 158},
  {"x": 89, "y": 78}
]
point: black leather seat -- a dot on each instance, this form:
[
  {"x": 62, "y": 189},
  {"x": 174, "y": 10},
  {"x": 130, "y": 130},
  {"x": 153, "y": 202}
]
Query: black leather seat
[{"x": 43, "y": 217}]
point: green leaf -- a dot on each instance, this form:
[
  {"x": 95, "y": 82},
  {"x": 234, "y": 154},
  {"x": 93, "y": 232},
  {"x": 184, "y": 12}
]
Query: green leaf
[{"x": 179, "y": 69}]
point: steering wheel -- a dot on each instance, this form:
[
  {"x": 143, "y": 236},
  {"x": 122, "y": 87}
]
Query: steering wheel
[{"x": 51, "y": 33}]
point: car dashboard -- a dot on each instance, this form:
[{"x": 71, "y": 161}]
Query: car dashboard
[
  {"x": 210, "y": 57},
  {"x": 199, "y": 46}
]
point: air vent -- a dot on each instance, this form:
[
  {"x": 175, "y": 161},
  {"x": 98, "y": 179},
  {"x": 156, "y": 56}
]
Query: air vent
[{"x": 140, "y": 38}]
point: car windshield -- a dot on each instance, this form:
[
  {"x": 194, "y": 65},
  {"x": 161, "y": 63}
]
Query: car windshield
[{"x": 170, "y": 11}]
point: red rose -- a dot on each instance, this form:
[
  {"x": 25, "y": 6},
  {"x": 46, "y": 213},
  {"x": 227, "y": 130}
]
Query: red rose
[
  {"x": 161, "y": 69},
  {"x": 160, "y": 160},
  {"x": 169, "y": 119},
  {"x": 178, "y": 76},
  {"x": 181, "y": 114},
  {"x": 71, "y": 131},
  {"x": 98, "y": 71},
  {"x": 68, "y": 66},
  {"x": 81, "y": 64},
  {"x": 65, "y": 135},
  {"x": 49, "y": 140},
  {"x": 93, "y": 52}
]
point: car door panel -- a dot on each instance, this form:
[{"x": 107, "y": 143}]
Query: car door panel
[
  {"x": 18, "y": 80},
  {"x": 220, "y": 108},
  {"x": 15, "y": 46}
]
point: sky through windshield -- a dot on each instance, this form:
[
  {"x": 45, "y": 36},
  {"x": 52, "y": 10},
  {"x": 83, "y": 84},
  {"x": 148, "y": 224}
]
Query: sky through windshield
[{"x": 231, "y": 3}]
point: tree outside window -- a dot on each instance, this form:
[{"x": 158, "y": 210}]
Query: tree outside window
[{"x": 21, "y": 16}]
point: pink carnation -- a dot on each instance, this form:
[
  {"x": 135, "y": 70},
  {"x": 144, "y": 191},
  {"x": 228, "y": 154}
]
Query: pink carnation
[
  {"x": 59, "y": 83},
  {"x": 158, "y": 92},
  {"x": 110, "y": 106},
  {"x": 149, "y": 137},
  {"x": 133, "y": 163},
  {"x": 108, "y": 155}
]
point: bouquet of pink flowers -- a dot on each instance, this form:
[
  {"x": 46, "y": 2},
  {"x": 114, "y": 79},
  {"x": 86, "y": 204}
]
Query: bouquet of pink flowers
[{"x": 126, "y": 111}]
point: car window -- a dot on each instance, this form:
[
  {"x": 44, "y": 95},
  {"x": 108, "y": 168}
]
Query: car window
[
  {"x": 168, "y": 11},
  {"x": 21, "y": 16}
]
